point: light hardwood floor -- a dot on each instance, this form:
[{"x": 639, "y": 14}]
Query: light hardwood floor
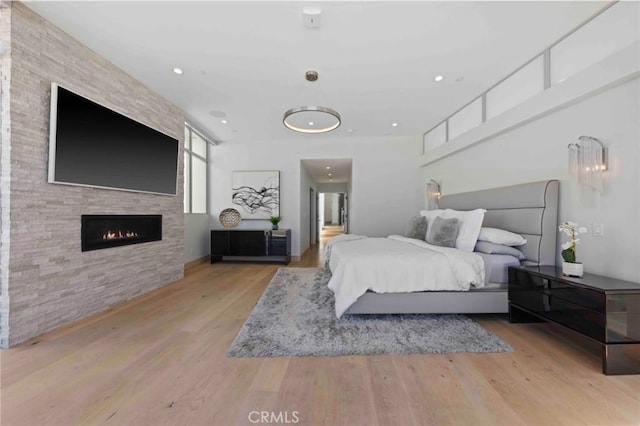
[
  {"x": 329, "y": 231},
  {"x": 160, "y": 360}
]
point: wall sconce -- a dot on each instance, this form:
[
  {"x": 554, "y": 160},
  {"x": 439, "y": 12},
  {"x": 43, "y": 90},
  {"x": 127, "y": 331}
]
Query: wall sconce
[
  {"x": 588, "y": 162},
  {"x": 433, "y": 194}
]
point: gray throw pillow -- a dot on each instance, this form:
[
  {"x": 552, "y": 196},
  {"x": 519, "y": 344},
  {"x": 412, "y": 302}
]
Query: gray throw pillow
[
  {"x": 417, "y": 228},
  {"x": 443, "y": 232},
  {"x": 493, "y": 248}
]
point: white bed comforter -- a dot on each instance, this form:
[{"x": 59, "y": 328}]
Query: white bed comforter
[
  {"x": 398, "y": 265},
  {"x": 333, "y": 241}
]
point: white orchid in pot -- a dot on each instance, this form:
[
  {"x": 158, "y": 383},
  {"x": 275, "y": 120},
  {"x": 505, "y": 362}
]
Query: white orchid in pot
[{"x": 571, "y": 266}]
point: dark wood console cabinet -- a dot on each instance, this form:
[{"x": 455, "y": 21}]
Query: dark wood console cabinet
[
  {"x": 602, "y": 309},
  {"x": 249, "y": 245}
]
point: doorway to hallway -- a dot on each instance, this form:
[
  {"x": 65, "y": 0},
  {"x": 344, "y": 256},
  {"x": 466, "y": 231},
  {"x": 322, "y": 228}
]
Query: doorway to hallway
[
  {"x": 325, "y": 205},
  {"x": 333, "y": 214}
]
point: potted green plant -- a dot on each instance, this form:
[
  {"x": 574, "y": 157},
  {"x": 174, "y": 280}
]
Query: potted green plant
[
  {"x": 570, "y": 266},
  {"x": 274, "y": 222}
]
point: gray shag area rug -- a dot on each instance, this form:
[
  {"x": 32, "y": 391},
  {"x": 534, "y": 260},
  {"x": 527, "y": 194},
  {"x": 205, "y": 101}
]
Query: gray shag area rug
[{"x": 296, "y": 317}]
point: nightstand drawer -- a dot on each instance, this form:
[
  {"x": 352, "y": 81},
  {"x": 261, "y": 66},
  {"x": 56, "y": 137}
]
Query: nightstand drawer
[
  {"x": 580, "y": 296},
  {"x": 577, "y": 317},
  {"x": 527, "y": 290},
  {"x": 526, "y": 281},
  {"x": 532, "y": 300}
]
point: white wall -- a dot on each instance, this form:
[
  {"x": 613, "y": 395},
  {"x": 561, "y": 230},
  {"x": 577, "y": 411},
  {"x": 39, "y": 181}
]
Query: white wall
[
  {"x": 538, "y": 150},
  {"x": 347, "y": 224},
  {"x": 306, "y": 182},
  {"x": 321, "y": 202},
  {"x": 332, "y": 187},
  {"x": 385, "y": 187},
  {"x": 196, "y": 236},
  {"x": 328, "y": 209}
]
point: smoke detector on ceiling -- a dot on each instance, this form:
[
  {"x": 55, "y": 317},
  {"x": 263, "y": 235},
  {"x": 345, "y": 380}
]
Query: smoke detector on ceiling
[
  {"x": 311, "y": 17},
  {"x": 311, "y": 75}
]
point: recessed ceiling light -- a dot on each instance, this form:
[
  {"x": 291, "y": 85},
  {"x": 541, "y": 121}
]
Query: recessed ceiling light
[
  {"x": 330, "y": 174},
  {"x": 394, "y": 124},
  {"x": 328, "y": 167},
  {"x": 224, "y": 121},
  {"x": 311, "y": 123},
  {"x": 438, "y": 78},
  {"x": 178, "y": 71}
]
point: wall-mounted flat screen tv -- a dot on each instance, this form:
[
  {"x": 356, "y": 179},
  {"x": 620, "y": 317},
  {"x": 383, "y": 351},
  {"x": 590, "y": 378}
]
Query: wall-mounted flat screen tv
[{"x": 91, "y": 145}]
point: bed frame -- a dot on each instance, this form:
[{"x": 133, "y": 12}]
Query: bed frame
[{"x": 529, "y": 209}]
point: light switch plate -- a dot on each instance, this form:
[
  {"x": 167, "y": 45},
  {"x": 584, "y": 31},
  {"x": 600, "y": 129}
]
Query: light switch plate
[{"x": 598, "y": 229}]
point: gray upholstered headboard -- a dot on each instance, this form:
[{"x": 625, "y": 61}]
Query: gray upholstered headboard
[{"x": 529, "y": 209}]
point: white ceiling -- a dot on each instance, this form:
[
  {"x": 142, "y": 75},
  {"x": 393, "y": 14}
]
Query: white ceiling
[
  {"x": 340, "y": 169},
  {"x": 376, "y": 60}
]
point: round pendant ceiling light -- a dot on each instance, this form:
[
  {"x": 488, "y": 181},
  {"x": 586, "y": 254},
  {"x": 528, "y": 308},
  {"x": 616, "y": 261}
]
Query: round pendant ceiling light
[{"x": 311, "y": 119}]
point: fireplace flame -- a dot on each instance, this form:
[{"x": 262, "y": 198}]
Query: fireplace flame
[{"x": 119, "y": 235}]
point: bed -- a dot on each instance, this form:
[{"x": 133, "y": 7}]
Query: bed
[{"x": 530, "y": 210}]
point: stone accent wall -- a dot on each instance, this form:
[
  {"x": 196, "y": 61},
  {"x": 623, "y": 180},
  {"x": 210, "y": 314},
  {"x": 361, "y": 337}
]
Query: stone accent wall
[
  {"x": 5, "y": 161},
  {"x": 51, "y": 282}
]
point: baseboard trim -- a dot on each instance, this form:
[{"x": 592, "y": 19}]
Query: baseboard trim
[
  {"x": 297, "y": 258},
  {"x": 192, "y": 264}
]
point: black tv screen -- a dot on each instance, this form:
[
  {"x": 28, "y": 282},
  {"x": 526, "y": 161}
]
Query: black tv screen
[{"x": 92, "y": 145}]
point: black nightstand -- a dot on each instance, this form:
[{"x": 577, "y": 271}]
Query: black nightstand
[{"x": 602, "y": 309}]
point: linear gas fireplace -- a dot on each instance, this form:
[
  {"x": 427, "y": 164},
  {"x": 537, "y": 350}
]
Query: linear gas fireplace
[{"x": 104, "y": 231}]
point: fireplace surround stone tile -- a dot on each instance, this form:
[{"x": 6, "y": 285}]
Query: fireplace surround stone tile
[{"x": 49, "y": 281}]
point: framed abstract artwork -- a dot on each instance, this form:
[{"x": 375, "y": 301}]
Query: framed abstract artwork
[{"x": 256, "y": 193}]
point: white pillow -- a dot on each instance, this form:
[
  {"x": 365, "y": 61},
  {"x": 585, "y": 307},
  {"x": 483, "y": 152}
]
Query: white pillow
[
  {"x": 500, "y": 236},
  {"x": 431, "y": 215},
  {"x": 469, "y": 228}
]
